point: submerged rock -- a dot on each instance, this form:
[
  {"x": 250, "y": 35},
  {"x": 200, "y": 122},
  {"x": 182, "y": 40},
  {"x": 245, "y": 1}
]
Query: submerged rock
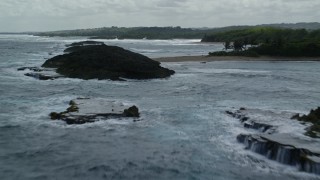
[
  {"x": 41, "y": 76},
  {"x": 40, "y": 73},
  {"x": 285, "y": 149},
  {"x": 106, "y": 62},
  {"x": 34, "y": 69},
  {"x": 85, "y": 110}
]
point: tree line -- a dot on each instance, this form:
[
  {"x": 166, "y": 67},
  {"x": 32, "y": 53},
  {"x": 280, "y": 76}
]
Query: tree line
[{"x": 268, "y": 41}]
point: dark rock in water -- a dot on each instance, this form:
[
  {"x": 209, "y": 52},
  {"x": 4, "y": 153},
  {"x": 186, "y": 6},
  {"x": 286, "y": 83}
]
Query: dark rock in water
[
  {"x": 132, "y": 112},
  {"x": 296, "y": 116},
  {"x": 230, "y": 113},
  {"x": 106, "y": 62},
  {"x": 259, "y": 126},
  {"x": 41, "y": 76},
  {"x": 251, "y": 123},
  {"x": 35, "y": 69},
  {"x": 55, "y": 115},
  {"x": 314, "y": 118},
  {"x": 85, "y": 110},
  {"x": 285, "y": 149},
  {"x": 85, "y": 43},
  {"x": 313, "y": 131},
  {"x": 40, "y": 73}
]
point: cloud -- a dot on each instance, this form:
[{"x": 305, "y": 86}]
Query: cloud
[
  {"x": 21, "y": 15},
  {"x": 172, "y": 3}
]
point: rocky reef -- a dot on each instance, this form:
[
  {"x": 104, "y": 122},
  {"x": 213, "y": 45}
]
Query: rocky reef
[
  {"x": 251, "y": 123},
  {"x": 286, "y": 148},
  {"x": 105, "y": 62},
  {"x": 85, "y": 110}
]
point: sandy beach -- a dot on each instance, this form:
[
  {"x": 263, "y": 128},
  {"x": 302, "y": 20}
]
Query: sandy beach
[{"x": 233, "y": 58}]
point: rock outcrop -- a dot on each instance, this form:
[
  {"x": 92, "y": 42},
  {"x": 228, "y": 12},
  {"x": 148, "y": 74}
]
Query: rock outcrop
[
  {"x": 314, "y": 118},
  {"x": 85, "y": 110},
  {"x": 106, "y": 62},
  {"x": 251, "y": 123},
  {"x": 285, "y": 148}
]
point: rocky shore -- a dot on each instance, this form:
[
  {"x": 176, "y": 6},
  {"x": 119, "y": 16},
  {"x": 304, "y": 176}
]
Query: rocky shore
[{"x": 303, "y": 153}]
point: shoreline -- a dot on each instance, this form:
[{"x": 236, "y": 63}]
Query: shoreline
[{"x": 232, "y": 58}]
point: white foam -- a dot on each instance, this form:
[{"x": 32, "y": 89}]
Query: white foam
[{"x": 227, "y": 71}]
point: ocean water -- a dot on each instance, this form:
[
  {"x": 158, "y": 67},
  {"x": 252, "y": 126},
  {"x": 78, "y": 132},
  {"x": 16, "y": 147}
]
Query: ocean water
[{"x": 183, "y": 133}]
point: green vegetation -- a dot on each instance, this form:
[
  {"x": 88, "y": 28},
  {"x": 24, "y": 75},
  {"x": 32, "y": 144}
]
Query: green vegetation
[{"x": 269, "y": 41}]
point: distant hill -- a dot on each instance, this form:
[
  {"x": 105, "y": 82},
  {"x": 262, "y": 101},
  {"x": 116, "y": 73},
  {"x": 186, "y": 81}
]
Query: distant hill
[
  {"x": 163, "y": 32},
  {"x": 131, "y": 33}
]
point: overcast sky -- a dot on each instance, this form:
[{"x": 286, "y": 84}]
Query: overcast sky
[{"x": 44, "y": 15}]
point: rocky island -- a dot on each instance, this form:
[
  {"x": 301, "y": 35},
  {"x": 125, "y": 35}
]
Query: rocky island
[
  {"x": 86, "y": 110},
  {"x": 99, "y": 61}
]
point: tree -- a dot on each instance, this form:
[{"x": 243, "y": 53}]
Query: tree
[
  {"x": 238, "y": 45},
  {"x": 227, "y": 45}
]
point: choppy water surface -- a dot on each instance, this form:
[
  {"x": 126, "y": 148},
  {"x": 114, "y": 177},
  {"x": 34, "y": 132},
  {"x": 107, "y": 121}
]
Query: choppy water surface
[{"x": 183, "y": 133}]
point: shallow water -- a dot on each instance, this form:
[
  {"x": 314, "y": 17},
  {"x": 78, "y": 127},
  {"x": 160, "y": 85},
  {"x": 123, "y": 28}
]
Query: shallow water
[{"x": 183, "y": 133}]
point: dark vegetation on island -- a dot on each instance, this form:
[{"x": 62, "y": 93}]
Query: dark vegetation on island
[
  {"x": 163, "y": 32},
  {"x": 268, "y": 41},
  {"x": 93, "y": 60}
]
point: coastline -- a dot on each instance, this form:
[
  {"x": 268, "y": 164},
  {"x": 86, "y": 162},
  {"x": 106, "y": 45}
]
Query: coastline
[{"x": 232, "y": 58}]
